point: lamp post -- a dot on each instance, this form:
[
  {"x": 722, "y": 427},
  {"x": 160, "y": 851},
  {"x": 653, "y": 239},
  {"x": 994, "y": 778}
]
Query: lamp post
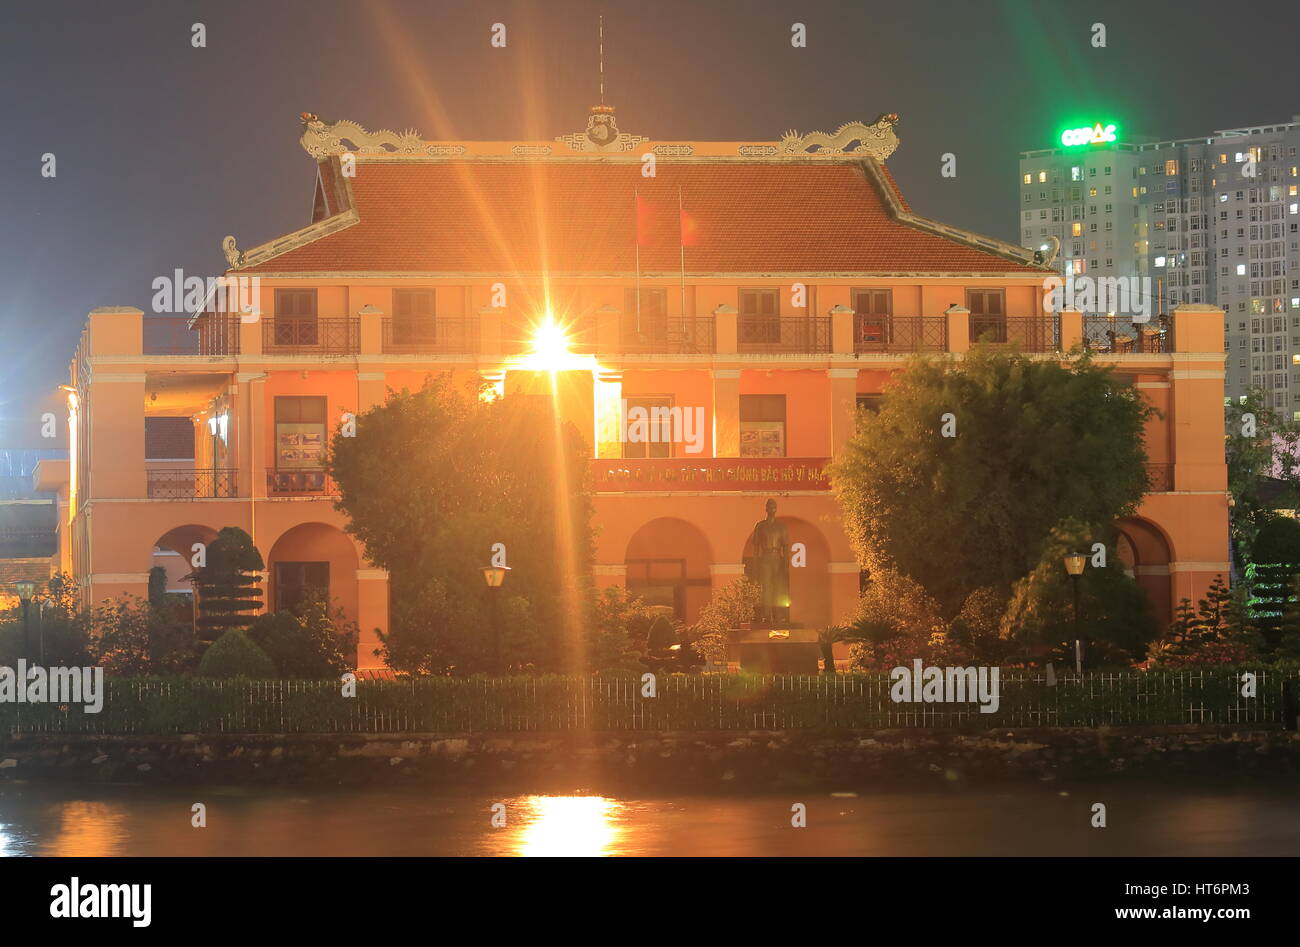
[
  {"x": 1074, "y": 564},
  {"x": 26, "y": 588},
  {"x": 494, "y": 576}
]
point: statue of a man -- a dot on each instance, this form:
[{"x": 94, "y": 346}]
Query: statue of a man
[{"x": 771, "y": 564}]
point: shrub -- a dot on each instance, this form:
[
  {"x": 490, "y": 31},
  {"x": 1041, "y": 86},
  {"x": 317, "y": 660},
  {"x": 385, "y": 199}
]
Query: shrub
[
  {"x": 234, "y": 654},
  {"x": 308, "y": 643},
  {"x": 137, "y": 637}
]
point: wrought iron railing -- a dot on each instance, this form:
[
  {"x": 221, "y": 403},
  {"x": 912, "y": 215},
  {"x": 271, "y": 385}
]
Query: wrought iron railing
[
  {"x": 752, "y": 474},
  {"x": 1117, "y": 336},
  {"x": 1029, "y": 333},
  {"x": 677, "y": 335},
  {"x": 323, "y": 336},
  {"x": 171, "y": 483},
  {"x": 299, "y": 481},
  {"x": 793, "y": 334},
  {"x": 442, "y": 334},
  {"x": 213, "y": 334},
  {"x": 900, "y": 333},
  {"x": 1160, "y": 478}
]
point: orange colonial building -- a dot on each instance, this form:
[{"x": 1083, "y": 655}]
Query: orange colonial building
[{"x": 805, "y": 281}]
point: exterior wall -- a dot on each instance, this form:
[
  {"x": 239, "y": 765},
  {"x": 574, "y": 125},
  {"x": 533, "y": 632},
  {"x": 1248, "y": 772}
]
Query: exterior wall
[{"x": 115, "y": 517}]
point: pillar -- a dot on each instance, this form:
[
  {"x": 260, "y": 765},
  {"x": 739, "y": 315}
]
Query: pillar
[
  {"x": 842, "y": 337},
  {"x": 726, "y": 412},
  {"x": 844, "y": 406},
  {"x": 958, "y": 328},
  {"x": 372, "y": 614}
]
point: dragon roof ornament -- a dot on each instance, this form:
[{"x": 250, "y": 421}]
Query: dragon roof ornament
[{"x": 877, "y": 140}]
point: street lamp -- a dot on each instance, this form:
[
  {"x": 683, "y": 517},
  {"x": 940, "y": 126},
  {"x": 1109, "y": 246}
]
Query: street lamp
[
  {"x": 1074, "y": 564},
  {"x": 494, "y": 576},
  {"x": 26, "y": 588}
]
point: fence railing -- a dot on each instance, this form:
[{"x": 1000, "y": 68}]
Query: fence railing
[
  {"x": 182, "y": 484},
  {"x": 443, "y": 334},
  {"x": 793, "y": 334},
  {"x": 213, "y": 334},
  {"x": 683, "y": 702},
  {"x": 1030, "y": 333},
  {"x": 299, "y": 481},
  {"x": 677, "y": 335},
  {"x": 710, "y": 473},
  {"x": 323, "y": 336},
  {"x": 1116, "y": 336},
  {"x": 1160, "y": 478},
  {"x": 900, "y": 333}
]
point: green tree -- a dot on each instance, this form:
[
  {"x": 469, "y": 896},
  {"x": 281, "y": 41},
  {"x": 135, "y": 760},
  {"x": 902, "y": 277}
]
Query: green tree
[
  {"x": 228, "y": 585},
  {"x": 136, "y": 637},
  {"x": 1218, "y": 631},
  {"x": 235, "y": 654},
  {"x": 1269, "y": 576},
  {"x": 1115, "y": 616},
  {"x": 621, "y": 632},
  {"x": 311, "y": 641},
  {"x": 431, "y": 482},
  {"x": 1033, "y": 442},
  {"x": 1260, "y": 442},
  {"x": 730, "y": 606}
]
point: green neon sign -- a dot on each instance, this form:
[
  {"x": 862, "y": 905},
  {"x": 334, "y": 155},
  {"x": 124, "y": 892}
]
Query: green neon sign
[{"x": 1098, "y": 134}]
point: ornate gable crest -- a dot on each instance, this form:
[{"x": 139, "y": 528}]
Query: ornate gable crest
[
  {"x": 321, "y": 138},
  {"x": 601, "y": 134},
  {"x": 877, "y": 141}
]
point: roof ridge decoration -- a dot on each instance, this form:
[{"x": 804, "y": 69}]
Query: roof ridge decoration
[
  {"x": 601, "y": 134},
  {"x": 320, "y": 139},
  {"x": 877, "y": 140}
]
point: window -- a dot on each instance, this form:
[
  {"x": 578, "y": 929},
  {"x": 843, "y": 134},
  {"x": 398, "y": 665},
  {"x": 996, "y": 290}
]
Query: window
[
  {"x": 762, "y": 426},
  {"x": 988, "y": 314},
  {"x": 653, "y": 315},
  {"x": 1042, "y": 177},
  {"x": 299, "y": 432},
  {"x": 659, "y": 582},
  {"x": 168, "y": 439},
  {"x": 1027, "y": 179},
  {"x": 295, "y": 317},
  {"x": 655, "y": 438},
  {"x": 869, "y": 402},
  {"x": 759, "y": 319},
  {"x": 413, "y": 316},
  {"x": 295, "y": 581},
  {"x": 873, "y": 308}
]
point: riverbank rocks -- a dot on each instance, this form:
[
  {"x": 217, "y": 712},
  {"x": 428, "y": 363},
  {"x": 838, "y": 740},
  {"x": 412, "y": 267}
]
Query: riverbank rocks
[{"x": 661, "y": 761}]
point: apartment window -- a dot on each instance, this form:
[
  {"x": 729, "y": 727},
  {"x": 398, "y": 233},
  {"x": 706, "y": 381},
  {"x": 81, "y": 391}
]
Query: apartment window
[
  {"x": 296, "y": 581},
  {"x": 762, "y": 426},
  {"x": 652, "y": 316},
  {"x": 655, "y": 436},
  {"x": 414, "y": 315},
  {"x": 1042, "y": 177},
  {"x": 873, "y": 308},
  {"x": 299, "y": 432},
  {"x": 1027, "y": 179},
  {"x": 1076, "y": 229}
]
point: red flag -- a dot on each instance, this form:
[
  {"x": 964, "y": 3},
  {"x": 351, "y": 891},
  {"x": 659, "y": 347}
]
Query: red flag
[
  {"x": 644, "y": 222},
  {"x": 690, "y": 229}
]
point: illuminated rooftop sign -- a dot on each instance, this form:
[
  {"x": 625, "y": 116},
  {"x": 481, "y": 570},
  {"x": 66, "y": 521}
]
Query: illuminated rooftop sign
[{"x": 1098, "y": 134}]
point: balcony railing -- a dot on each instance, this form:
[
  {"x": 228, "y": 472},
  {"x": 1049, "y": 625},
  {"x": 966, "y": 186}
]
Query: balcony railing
[
  {"x": 677, "y": 335},
  {"x": 1030, "y": 333},
  {"x": 299, "y": 481},
  {"x": 442, "y": 334},
  {"x": 1116, "y": 336},
  {"x": 323, "y": 336},
  {"x": 171, "y": 483},
  {"x": 213, "y": 334},
  {"x": 743, "y": 474},
  {"x": 1160, "y": 478},
  {"x": 900, "y": 333},
  {"x": 785, "y": 334}
]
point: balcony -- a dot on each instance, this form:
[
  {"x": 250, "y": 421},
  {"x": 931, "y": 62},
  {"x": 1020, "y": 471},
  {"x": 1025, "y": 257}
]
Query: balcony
[
  {"x": 735, "y": 474},
  {"x": 1029, "y": 333},
  {"x": 784, "y": 335},
  {"x": 181, "y": 484},
  {"x": 1112, "y": 336},
  {"x": 299, "y": 481},
  {"x": 282, "y": 335},
  {"x": 213, "y": 334},
  {"x": 438, "y": 335},
  {"x": 900, "y": 333},
  {"x": 669, "y": 335}
]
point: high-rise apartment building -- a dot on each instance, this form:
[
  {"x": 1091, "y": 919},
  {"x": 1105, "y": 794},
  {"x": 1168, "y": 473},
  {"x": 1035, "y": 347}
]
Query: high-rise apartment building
[{"x": 1207, "y": 220}]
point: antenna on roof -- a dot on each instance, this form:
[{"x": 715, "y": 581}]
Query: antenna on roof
[{"x": 601, "y": 47}]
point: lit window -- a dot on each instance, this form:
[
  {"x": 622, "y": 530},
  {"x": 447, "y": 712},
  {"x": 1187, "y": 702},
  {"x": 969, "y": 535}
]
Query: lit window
[
  {"x": 1042, "y": 177},
  {"x": 1027, "y": 178}
]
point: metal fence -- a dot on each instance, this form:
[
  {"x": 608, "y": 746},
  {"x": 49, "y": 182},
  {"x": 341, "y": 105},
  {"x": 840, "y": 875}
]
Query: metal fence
[
  {"x": 282, "y": 335},
  {"x": 191, "y": 484},
  {"x": 795, "y": 334},
  {"x": 681, "y": 335},
  {"x": 683, "y": 702},
  {"x": 900, "y": 333}
]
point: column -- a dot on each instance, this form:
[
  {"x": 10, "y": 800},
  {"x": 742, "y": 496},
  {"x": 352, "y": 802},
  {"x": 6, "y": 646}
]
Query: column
[
  {"x": 1071, "y": 329},
  {"x": 372, "y": 330},
  {"x": 726, "y": 412},
  {"x": 844, "y": 406},
  {"x": 372, "y": 614},
  {"x": 958, "y": 328},
  {"x": 842, "y": 339},
  {"x": 724, "y": 322}
]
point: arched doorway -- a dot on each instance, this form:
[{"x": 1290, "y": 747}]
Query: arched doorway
[
  {"x": 1144, "y": 549},
  {"x": 174, "y": 551},
  {"x": 810, "y": 579},
  {"x": 312, "y": 557},
  {"x": 668, "y": 564}
]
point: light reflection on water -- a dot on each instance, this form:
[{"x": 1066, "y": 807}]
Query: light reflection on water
[{"x": 1029, "y": 820}]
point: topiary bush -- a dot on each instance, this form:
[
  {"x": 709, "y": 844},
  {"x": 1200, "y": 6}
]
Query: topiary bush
[{"x": 234, "y": 654}]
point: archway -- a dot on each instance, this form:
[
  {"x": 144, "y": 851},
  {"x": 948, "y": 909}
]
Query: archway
[
  {"x": 668, "y": 563},
  {"x": 312, "y": 557},
  {"x": 1143, "y": 547},
  {"x": 173, "y": 551}
]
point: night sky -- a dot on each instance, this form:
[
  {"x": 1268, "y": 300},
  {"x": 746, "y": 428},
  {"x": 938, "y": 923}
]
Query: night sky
[{"x": 162, "y": 149}]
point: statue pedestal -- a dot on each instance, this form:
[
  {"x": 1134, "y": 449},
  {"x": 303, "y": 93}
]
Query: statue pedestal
[{"x": 775, "y": 650}]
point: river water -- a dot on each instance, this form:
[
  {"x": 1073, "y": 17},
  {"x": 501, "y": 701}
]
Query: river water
[{"x": 1039, "y": 819}]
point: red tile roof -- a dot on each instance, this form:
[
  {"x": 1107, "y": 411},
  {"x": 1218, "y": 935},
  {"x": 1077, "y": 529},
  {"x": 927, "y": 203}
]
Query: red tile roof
[{"x": 579, "y": 217}]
